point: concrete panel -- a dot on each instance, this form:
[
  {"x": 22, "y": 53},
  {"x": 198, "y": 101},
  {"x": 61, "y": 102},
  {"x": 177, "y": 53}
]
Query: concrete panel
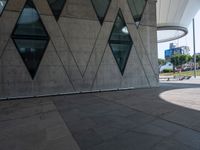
[
  {"x": 108, "y": 76},
  {"x": 149, "y": 16},
  {"x": 15, "y": 78},
  {"x": 63, "y": 50},
  {"x": 12, "y": 59},
  {"x": 134, "y": 74},
  {"x": 8, "y": 20},
  {"x": 149, "y": 36},
  {"x": 15, "y": 5},
  {"x": 112, "y": 12},
  {"x": 43, "y": 7},
  {"x": 79, "y": 9},
  {"x": 107, "y": 79},
  {"x": 123, "y": 4},
  {"x": 51, "y": 76},
  {"x": 97, "y": 55},
  {"x": 140, "y": 48},
  {"x": 81, "y": 36},
  {"x": 143, "y": 56}
]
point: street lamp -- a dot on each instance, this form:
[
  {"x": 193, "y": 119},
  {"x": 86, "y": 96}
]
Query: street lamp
[{"x": 194, "y": 47}]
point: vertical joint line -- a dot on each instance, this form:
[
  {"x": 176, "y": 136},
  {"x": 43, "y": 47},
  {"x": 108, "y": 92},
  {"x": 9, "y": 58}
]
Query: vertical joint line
[
  {"x": 64, "y": 67},
  {"x": 70, "y": 50},
  {"x": 92, "y": 51}
]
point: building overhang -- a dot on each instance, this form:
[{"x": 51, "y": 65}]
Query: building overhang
[
  {"x": 170, "y": 32},
  {"x": 174, "y": 17}
]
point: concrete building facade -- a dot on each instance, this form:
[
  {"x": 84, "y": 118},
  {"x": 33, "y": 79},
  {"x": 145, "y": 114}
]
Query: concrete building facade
[{"x": 78, "y": 56}]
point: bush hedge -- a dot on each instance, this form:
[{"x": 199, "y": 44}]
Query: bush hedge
[{"x": 167, "y": 70}]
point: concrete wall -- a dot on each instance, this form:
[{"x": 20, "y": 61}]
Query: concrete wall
[{"x": 78, "y": 57}]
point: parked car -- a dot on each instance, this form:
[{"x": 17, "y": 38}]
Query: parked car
[
  {"x": 178, "y": 69},
  {"x": 187, "y": 68},
  {"x": 167, "y": 66}
]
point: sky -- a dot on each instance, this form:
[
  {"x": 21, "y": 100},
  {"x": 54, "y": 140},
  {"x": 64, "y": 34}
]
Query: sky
[{"x": 185, "y": 41}]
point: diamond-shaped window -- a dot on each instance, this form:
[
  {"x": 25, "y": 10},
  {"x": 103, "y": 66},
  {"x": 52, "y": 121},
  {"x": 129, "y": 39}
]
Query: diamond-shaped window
[
  {"x": 56, "y": 7},
  {"x": 101, "y": 8},
  {"x": 30, "y": 37},
  {"x": 137, "y": 8},
  {"x": 31, "y": 52},
  {"x": 2, "y": 5},
  {"x": 120, "y": 42},
  {"x": 29, "y": 23}
]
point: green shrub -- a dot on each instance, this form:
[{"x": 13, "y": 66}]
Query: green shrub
[{"x": 167, "y": 70}]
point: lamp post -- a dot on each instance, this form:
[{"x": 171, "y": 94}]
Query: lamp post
[{"x": 194, "y": 47}]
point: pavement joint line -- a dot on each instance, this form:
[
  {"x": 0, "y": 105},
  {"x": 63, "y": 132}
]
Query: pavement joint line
[
  {"x": 158, "y": 117},
  {"x": 25, "y": 117},
  {"x": 166, "y": 138},
  {"x": 140, "y": 132},
  {"x": 61, "y": 116}
]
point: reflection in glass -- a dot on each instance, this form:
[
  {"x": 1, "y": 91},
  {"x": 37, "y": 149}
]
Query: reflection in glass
[
  {"x": 30, "y": 37},
  {"x": 56, "y": 7},
  {"x": 137, "y": 8},
  {"x": 101, "y": 7},
  {"x": 31, "y": 52},
  {"x": 29, "y": 23},
  {"x": 125, "y": 30},
  {"x": 120, "y": 42},
  {"x": 2, "y": 5}
]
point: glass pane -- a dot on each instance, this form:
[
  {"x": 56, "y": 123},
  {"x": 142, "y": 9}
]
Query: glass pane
[
  {"x": 56, "y": 7},
  {"x": 101, "y": 7},
  {"x": 29, "y": 23},
  {"x": 30, "y": 37},
  {"x": 137, "y": 8},
  {"x": 31, "y": 52},
  {"x": 2, "y": 5},
  {"x": 121, "y": 53},
  {"x": 120, "y": 42}
]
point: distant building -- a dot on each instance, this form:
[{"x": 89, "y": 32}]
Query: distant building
[
  {"x": 176, "y": 50},
  {"x": 172, "y": 45}
]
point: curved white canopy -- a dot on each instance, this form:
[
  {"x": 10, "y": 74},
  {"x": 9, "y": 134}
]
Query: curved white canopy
[{"x": 174, "y": 16}]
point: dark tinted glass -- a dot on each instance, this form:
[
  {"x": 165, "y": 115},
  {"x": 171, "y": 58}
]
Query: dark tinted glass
[
  {"x": 31, "y": 52},
  {"x": 2, "y": 5},
  {"x": 101, "y": 7},
  {"x": 29, "y": 22},
  {"x": 137, "y": 8},
  {"x": 30, "y": 37},
  {"x": 120, "y": 42},
  {"x": 56, "y": 7}
]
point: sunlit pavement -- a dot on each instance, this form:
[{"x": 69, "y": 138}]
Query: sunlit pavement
[{"x": 165, "y": 118}]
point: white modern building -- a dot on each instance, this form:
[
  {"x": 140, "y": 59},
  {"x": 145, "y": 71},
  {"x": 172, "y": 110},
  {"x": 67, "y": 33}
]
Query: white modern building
[{"x": 174, "y": 17}]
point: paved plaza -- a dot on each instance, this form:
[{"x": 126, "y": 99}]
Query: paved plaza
[{"x": 165, "y": 118}]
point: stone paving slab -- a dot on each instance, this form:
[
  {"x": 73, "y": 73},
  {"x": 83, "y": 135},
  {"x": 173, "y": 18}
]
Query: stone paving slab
[
  {"x": 33, "y": 125},
  {"x": 119, "y": 120}
]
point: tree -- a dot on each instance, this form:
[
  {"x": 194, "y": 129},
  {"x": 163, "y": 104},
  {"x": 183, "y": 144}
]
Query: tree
[
  {"x": 198, "y": 58},
  {"x": 185, "y": 59},
  {"x": 179, "y": 59},
  {"x": 161, "y": 62}
]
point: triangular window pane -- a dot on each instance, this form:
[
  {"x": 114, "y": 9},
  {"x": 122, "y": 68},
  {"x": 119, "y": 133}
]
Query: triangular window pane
[
  {"x": 120, "y": 42},
  {"x": 29, "y": 22},
  {"x": 2, "y": 5},
  {"x": 137, "y": 8},
  {"x": 30, "y": 37},
  {"x": 31, "y": 52},
  {"x": 56, "y": 7},
  {"x": 101, "y": 8}
]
